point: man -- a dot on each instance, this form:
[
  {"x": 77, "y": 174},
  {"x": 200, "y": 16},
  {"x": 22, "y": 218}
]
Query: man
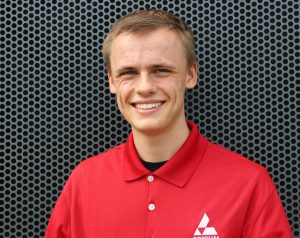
[{"x": 167, "y": 180}]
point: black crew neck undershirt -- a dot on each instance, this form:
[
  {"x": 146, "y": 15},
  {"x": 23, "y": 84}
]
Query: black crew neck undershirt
[{"x": 153, "y": 166}]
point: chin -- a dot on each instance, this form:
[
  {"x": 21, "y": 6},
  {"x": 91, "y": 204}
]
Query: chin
[{"x": 148, "y": 126}]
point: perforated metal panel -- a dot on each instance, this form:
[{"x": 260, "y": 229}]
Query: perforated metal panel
[{"x": 56, "y": 109}]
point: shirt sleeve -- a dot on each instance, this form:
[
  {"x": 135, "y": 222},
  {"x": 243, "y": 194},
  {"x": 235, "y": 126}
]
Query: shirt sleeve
[
  {"x": 272, "y": 221},
  {"x": 59, "y": 225},
  {"x": 268, "y": 219}
]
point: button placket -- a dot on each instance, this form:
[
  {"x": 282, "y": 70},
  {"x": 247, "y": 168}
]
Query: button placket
[{"x": 151, "y": 181}]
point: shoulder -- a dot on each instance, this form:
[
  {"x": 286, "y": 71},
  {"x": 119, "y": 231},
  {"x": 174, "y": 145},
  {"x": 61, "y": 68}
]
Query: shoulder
[
  {"x": 238, "y": 173},
  {"x": 227, "y": 161},
  {"x": 95, "y": 164}
]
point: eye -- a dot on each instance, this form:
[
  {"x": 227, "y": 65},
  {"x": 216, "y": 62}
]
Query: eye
[
  {"x": 161, "y": 71},
  {"x": 129, "y": 73}
]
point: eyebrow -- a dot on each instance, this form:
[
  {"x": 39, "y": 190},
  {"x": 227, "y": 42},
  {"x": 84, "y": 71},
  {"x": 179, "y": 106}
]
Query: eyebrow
[
  {"x": 155, "y": 66},
  {"x": 162, "y": 66}
]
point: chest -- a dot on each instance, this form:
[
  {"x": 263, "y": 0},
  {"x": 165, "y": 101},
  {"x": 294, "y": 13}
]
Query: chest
[{"x": 152, "y": 207}]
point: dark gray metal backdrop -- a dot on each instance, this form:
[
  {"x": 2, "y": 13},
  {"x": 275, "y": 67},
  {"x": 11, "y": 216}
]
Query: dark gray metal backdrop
[{"x": 56, "y": 109}]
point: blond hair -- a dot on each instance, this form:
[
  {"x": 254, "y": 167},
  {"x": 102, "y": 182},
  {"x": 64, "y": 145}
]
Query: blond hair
[{"x": 149, "y": 20}]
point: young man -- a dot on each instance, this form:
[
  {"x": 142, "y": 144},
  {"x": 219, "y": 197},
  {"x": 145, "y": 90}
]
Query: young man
[{"x": 167, "y": 180}]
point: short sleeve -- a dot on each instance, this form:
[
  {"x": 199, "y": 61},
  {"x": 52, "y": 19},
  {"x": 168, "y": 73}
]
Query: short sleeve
[
  {"x": 267, "y": 218},
  {"x": 272, "y": 221},
  {"x": 59, "y": 225}
]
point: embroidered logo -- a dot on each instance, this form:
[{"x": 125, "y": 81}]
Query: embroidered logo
[{"x": 203, "y": 231}]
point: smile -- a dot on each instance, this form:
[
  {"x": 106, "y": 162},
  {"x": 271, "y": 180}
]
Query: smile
[{"x": 145, "y": 106}]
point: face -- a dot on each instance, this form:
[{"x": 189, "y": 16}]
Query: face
[{"x": 149, "y": 75}]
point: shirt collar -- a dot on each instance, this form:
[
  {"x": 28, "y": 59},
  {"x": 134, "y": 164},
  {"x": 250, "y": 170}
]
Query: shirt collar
[{"x": 177, "y": 170}]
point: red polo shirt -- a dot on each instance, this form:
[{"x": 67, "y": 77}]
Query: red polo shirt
[{"x": 203, "y": 191}]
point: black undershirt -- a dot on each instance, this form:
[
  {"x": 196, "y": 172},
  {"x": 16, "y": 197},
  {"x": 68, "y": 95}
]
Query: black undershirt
[{"x": 152, "y": 166}]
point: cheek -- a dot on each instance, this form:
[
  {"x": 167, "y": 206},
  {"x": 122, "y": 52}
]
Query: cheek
[
  {"x": 174, "y": 88},
  {"x": 123, "y": 92}
]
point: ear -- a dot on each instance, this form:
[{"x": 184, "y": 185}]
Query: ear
[
  {"x": 112, "y": 87},
  {"x": 192, "y": 76}
]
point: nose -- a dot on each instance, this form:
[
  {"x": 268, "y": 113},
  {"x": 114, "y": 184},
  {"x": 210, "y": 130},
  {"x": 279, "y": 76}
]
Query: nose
[{"x": 145, "y": 85}]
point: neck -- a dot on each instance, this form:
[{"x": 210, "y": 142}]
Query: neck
[{"x": 162, "y": 146}]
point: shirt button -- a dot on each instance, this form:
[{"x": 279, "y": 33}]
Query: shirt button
[
  {"x": 151, "y": 207},
  {"x": 150, "y": 178}
]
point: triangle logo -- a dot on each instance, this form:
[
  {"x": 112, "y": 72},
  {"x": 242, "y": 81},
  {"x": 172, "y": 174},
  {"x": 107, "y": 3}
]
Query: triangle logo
[{"x": 203, "y": 230}]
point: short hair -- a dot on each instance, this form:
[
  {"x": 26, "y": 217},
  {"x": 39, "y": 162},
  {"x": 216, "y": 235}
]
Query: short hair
[{"x": 146, "y": 21}]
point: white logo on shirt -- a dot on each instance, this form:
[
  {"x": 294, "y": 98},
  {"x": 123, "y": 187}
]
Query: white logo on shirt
[{"x": 203, "y": 231}]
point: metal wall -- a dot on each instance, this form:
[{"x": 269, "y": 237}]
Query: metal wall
[{"x": 56, "y": 109}]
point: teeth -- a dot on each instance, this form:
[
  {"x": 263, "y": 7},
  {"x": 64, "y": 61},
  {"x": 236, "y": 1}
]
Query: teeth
[{"x": 148, "y": 106}]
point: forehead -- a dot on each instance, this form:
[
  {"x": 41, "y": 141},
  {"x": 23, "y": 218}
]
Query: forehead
[{"x": 159, "y": 44}]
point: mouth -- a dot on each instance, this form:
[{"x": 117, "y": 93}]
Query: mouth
[{"x": 147, "y": 106}]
